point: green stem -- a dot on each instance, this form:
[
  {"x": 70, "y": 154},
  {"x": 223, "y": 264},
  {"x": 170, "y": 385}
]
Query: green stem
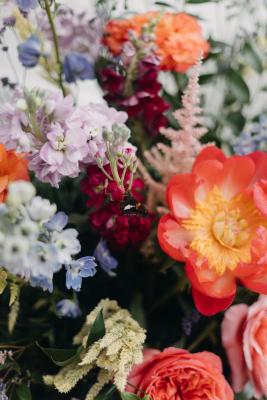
[
  {"x": 206, "y": 332},
  {"x": 56, "y": 45}
]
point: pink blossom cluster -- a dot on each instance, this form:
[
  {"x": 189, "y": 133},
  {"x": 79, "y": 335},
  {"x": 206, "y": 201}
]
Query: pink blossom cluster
[{"x": 58, "y": 138}]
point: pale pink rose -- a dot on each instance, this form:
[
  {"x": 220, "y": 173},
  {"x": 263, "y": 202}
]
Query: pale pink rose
[
  {"x": 244, "y": 337},
  {"x": 176, "y": 374}
]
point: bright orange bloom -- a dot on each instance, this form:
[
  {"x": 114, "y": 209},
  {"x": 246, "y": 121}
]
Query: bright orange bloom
[
  {"x": 218, "y": 226},
  {"x": 13, "y": 167},
  {"x": 178, "y": 38}
]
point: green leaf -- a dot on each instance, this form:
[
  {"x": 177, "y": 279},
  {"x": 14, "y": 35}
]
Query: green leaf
[
  {"x": 129, "y": 396},
  {"x": 14, "y": 293},
  {"x": 137, "y": 310},
  {"x": 3, "y": 280},
  {"x": 98, "y": 329},
  {"x": 61, "y": 357},
  {"x": 252, "y": 58},
  {"x": 162, "y": 3},
  {"x": 132, "y": 396},
  {"x": 106, "y": 395},
  {"x": 23, "y": 392},
  {"x": 238, "y": 86}
]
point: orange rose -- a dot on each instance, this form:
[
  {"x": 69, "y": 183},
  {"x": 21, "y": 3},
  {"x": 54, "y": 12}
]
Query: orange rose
[
  {"x": 175, "y": 374},
  {"x": 13, "y": 167},
  {"x": 178, "y": 38}
]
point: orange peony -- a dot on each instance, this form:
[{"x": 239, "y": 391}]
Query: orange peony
[
  {"x": 217, "y": 224},
  {"x": 175, "y": 374},
  {"x": 13, "y": 167},
  {"x": 178, "y": 38}
]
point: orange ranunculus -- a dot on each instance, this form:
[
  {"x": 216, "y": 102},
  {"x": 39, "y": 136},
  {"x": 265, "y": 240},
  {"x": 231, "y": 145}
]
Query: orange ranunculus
[
  {"x": 218, "y": 225},
  {"x": 13, "y": 167},
  {"x": 175, "y": 374},
  {"x": 178, "y": 38}
]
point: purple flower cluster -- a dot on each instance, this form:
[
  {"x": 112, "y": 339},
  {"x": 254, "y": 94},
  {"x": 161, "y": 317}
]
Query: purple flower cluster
[
  {"x": 58, "y": 138},
  {"x": 77, "y": 32}
]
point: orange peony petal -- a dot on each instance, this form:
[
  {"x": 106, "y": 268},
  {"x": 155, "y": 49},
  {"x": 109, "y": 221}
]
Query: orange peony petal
[
  {"x": 260, "y": 196},
  {"x": 172, "y": 237},
  {"x": 180, "y": 195},
  {"x": 210, "y": 153},
  {"x": 220, "y": 287},
  {"x": 237, "y": 173},
  {"x": 260, "y": 160},
  {"x": 256, "y": 284},
  {"x": 209, "y": 306}
]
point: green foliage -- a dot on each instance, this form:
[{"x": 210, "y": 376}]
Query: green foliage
[
  {"x": 98, "y": 329},
  {"x": 3, "y": 280},
  {"x": 251, "y": 57},
  {"x": 61, "y": 357},
  {"x": 23, "y": 392},
  {"x": 238, "y": 86}
]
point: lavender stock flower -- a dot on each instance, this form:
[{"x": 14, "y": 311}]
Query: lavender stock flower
[{"x": 77, "y": 66}]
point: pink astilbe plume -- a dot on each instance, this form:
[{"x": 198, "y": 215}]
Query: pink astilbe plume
[{"x": 179, "y": 156}]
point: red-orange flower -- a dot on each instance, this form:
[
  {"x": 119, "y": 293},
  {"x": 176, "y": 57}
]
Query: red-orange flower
[
  {"x": 218, "y": 226},
  {"x": 13, "y": 167},
  {"x": 175, "y": 374},
  {"x": 178, "y": 38}
]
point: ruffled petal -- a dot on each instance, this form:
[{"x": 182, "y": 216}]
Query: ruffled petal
[
  {"x": 209, "y": 283},
  {"x": 232, "y": 333},
  {"x": 210, "y": 153},
  {"x": 180, "y": 195},
  {"x": 236, "y": 175},
  {"x": 260, "y": 196},
  {"x": 173, "y": 238},
  {"x": 209, "y": 306}
]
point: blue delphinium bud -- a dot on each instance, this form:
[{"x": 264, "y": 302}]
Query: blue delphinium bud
[
  {"x": 29, "y": 52},
  {"x": 77, "y": 66},
  {"x": 26, "y": 5},
  {"x": 68, "y": 308},
  {"x": 103, "y": 256}
]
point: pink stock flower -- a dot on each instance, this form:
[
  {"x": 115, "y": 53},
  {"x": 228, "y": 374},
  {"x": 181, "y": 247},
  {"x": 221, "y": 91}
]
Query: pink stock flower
[
  {"x": 58, "y": 138},
  {"x": 244, "y": 337}
]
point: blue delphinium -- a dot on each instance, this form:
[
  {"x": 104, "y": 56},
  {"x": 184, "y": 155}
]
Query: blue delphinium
[
  {"x": 29, "y": 52},
  {"x": 77, "y": 66},
  {"x": 76, "y": 270},
  {"x": 57, "y": 222},
  {"x": 103, "y": 256},
  {"x": 68, "y": 308},
  {"x": 26, "y": 5},
  {"x": 255, "y": 138}
]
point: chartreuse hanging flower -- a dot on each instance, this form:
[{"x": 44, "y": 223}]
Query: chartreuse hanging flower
[
  {"x": 114, "y": 353},
  {"x": 217, "y": 224}
]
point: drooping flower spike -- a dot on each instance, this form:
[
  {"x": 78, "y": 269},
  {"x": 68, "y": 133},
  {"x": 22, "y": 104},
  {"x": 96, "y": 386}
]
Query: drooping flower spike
[{"x": 217, "y": 224}]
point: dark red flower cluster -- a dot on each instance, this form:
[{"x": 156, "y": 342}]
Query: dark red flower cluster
[
  {"x": 145, "y": 103},
  {"x": 106, "y": 211}
]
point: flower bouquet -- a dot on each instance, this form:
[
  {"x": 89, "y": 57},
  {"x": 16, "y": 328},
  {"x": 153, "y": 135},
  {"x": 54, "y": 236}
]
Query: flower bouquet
[{"x": 133, "y": 229}]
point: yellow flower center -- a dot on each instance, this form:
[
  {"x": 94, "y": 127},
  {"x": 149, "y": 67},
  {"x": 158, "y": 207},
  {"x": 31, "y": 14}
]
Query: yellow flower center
[{"x": 222, "y": 230}]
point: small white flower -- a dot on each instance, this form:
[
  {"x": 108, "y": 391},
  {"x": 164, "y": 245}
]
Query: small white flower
[
  {"x": 21, "y": 105},
  {"x": 67, "y": 244},
  {"x": 27, "y": 229},
  {"x": 20, "y": 192},
  {"x": 41, "y": 209},
  {"x": 14, "y": 255}
]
